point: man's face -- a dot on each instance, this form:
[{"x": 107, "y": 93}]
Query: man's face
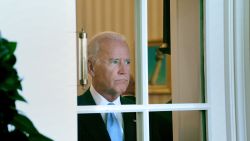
[{"x": 112, "y": 68}]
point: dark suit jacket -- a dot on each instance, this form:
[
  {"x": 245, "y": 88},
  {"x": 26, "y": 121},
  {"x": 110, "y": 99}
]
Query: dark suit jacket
[
  {"x": 91, "y": 127},
  {"x": 160, "y": 125}
]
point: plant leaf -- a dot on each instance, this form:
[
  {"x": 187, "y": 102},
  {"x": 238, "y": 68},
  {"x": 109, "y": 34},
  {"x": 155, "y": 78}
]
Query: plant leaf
[
  {"x": 17, "y": 96},
  {"x": 39, "y": 137},
  {"x": 12, "y": 47},
  {"x": 10, "y": 84},
  {"x": 17, "y": 135},
  {"x": 24, "y": 124}
]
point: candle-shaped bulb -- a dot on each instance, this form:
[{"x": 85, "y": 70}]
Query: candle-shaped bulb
[{"x": 83, "y": 58}]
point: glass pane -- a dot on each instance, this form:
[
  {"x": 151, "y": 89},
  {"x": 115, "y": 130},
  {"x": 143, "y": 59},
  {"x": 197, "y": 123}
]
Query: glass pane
[
  {"x": 96, "y": 127},
  {"x": 164, "y": 126},
  {"x": 95, "y": 16},
  {"x": 175, "y": 55},
  {"x": 187, "y": 125},
  {"x": 159, "y": 58}
]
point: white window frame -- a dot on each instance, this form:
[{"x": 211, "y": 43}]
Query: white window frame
[
  {"x": 220, "y": 49},
  {"x": 51, "y": 91},
  {"x": 215, "y": 70},
  {"x": 238, "y": 73}
]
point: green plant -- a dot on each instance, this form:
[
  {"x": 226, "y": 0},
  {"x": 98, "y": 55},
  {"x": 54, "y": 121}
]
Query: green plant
[{"x": 13, "y": 125}]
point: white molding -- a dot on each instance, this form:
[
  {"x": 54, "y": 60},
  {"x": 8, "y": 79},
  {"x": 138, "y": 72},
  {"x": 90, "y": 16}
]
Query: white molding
[
  {"x": 141, "y": 52},
  {"x": 215, "y": 70},
  {"x": 240, "y": 73},
  {"x": 141, "y": 67},
  {"x": 142, "y": 108},
  {"x": 247, "y": 64},
  {"x": 230, "y": 70}
]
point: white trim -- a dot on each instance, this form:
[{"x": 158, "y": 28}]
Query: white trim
[
  {"x": 141, "y": 67},
  {"x": 230, "y": 71},
  {"x": 141, "y": 108},
  {"x": 215, "y": 84},
  {"x": 141, "y": 52},
  {"x": 247, "y": 64},
  {"x": 142, "y": 126},
  {"x": 240, "y": 70}
]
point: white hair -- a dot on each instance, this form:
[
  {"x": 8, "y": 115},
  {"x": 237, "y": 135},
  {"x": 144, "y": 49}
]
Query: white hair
[{"x": 94, "y": 44}]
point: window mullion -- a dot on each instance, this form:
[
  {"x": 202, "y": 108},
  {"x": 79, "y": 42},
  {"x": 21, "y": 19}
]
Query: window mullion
[
  {"x": 215, "y": 70},
  {"x": 141, "y": 68},
  {"x": 142, "y": 108}
]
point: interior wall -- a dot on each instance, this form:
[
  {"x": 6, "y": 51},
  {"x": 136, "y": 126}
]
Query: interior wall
[
  {"x": 185, "y": 67},
  {"x": 118, "y": 15},
  {"x": 159, "y": 98},
  {"x": 46, "y": 62},
  {"x": 95, "y": 16}
]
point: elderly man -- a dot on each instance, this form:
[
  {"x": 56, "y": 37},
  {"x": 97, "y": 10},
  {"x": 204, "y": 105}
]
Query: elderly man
[{"x": 109, "y": 67}]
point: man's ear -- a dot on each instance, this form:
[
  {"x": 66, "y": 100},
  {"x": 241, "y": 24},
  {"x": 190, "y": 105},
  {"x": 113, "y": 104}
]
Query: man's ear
[{"x": 91, "y": 68}]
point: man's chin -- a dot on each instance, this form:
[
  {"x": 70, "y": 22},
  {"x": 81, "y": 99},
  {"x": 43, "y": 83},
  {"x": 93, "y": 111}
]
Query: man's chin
[
  {"x": 120, "y": 91},
  {"x": 116, "y": 91}
]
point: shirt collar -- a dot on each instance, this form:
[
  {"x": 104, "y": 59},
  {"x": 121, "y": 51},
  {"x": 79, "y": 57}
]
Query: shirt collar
[{"x": 100, "y": 100}]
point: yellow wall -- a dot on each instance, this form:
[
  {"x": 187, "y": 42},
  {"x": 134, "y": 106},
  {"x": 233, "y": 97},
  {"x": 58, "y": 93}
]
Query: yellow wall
[{"x": 118, "y": 15}]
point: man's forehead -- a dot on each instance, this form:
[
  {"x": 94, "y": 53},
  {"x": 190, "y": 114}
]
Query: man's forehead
[
  {"x": 113, "y": 43},
  {"x": 114, "y": 48}
]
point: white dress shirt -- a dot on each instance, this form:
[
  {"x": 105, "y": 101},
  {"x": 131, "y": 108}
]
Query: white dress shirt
[{"x": 100, "y": 100}]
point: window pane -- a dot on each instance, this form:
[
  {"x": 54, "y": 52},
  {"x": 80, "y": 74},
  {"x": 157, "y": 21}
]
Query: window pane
[
  {"x": 163, "y": 126},
  {"x": 95, "y": 16},
  {"x": 95, "y": 127},
  {"x": 176, "y": 75},
  {"x": 187, "y": 125}
]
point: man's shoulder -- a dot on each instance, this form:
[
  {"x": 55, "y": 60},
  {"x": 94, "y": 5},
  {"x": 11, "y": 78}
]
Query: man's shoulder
[
  {"x": 127, "y": 99},
  {"x": 85, "y": 99}
]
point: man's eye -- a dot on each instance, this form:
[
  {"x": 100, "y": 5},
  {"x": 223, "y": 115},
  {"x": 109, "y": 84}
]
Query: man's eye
[
  {"x": 127, "y": 61},
  {"x": 115, "y": 61}
]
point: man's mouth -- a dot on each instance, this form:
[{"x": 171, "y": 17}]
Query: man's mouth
[{"x": 121, "y": 80}]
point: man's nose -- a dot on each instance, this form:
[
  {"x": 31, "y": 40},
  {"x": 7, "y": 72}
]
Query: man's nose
[{"x": 124, "y": 68}]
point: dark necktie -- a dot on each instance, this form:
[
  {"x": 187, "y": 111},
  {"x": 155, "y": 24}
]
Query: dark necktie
[{"x": 113, "y": 127}]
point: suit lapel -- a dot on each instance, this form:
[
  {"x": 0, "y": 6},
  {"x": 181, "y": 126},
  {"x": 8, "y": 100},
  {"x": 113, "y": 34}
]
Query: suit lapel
[
  {"x": 129, "y": 120},
  {"x": 95, "y": 127},
  {"x": 93, "y": 124}
]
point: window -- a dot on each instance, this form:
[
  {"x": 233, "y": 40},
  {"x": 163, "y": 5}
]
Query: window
[{"x": 213, "y": 108}]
